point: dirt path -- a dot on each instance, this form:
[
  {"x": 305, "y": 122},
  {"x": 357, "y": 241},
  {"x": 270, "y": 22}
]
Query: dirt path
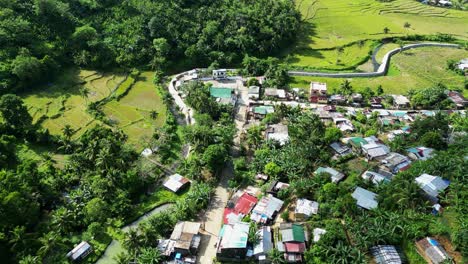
[{"x": 213, "y": 217}]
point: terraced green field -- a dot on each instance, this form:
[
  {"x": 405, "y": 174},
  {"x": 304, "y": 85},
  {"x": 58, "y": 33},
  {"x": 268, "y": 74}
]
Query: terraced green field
[
  {"x": 132, "y": 112},
  {"x": 412, "y": 69},
  {"x": 61, "y": 103},
  {"x": 334, "y": 23}
]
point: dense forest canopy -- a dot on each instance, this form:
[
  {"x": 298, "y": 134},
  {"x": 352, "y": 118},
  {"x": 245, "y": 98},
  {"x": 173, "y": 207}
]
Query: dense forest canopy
[{"x": 38, "y": 37}]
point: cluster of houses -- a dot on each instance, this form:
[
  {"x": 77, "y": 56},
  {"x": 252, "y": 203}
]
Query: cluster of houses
[{"x": 248, "y": 205}]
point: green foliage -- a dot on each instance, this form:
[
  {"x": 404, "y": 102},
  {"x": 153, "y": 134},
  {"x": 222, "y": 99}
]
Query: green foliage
[
  {"x": 333, "y": 134},
  {"x": 431, "y": 98},
  {"x": 15, "y": 114},
  {"x": 272, "y": 170}
]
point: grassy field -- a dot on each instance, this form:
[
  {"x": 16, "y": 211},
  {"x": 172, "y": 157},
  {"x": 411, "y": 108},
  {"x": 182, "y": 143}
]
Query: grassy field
[
  {"x": 412, "y": 69},
  {"x": 60, "y": 103},
  {"x": 332, "y": 24},
  {"x": 132, "y": 112}
]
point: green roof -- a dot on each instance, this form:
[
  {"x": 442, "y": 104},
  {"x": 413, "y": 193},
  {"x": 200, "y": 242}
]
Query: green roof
[
  {"x": 357, "y": 141},
  {"x": 217, "y": 92},
  {"x": 263, "y": 110},
  {"x": 298, "y": 233}
]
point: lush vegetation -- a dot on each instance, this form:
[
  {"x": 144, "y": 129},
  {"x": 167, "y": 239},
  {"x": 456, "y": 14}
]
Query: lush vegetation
[
  {"x": 403, "y": 214},
  {"x": 39, "y": 37},
  {"x": 410, "y": 70},
  {"x": 337, "y": 34}
]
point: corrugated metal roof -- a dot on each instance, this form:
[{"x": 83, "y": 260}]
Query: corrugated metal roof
[
  {"x": 234, "y": 236},
  {"x": 432, "y": 185},
  {"x": 365, "y": 198}
]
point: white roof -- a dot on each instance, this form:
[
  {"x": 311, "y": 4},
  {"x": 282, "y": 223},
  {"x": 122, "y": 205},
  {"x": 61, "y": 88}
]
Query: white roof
[
  {"x": 317, "y": 86},
  {"x": 365, "y": 198},
  {"x": 175, "y": 182},
  {"x": 318, "y": 232},
  {"x": 432, "y": 185},
  {"x": 281, "y": 93},
  {"x": 279, "y": 133},
  {"x": 306, "y": 207},
  {"x": 79, "y": 250},
  {"x": 374, "y": 176},
  {"x": 146, "y": 152},
  {"x": 400, "y": 99}
]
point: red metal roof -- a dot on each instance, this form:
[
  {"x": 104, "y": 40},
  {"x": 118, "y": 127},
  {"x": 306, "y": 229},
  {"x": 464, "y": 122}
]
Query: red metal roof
[
  {"x": 294, "y": 247},
  {"x": 245, "y": 204}
]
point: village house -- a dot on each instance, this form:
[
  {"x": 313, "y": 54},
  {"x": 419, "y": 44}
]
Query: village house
[
  {"x": 254, "y": 92},
  {"x": 277, "y": 132},
  {"x": 356, "y": 143},
  {"x": 305, "y": 209},
  {"x": 80, "y": 252},
  {"x": 176, "y": 183},
  {"x": 343, "y": 124},
  {"x": 395, "y": 162},
  {"x": 223, "y": 95},
  {"x": 386, "y": 254},
  {"x": 365, "y": 199},
  {"x": 463, "y": 65},
  {"x": 432, "y": 186},
  {"x": 186, "y": 239},
  {"x": 335, "y": 175},
  {"x": 420, "y": 153},
  {"x": 276, "y": 186},
  {"x": 356, "y": 98},
  {"x": 266, "y": 209},
  {"x": 458, "y": 99},
  {"x": 432, "y": 251},
  {"x": 262, "y": 110},
  {"x": 376, "y": 102},
  {"x": 238, "y": 207},
  {"x": 275, "y": 93},
  {"x": 340, "y": 149},
  {"x": 376, "y": 178},
  {"x": 374, "y": 151},
  {"x": 318, "y": 93},
  {"x": 232, "y": 242},
  {"x": 264, "y": 245},
  {"x": 292, "y": 242},
  {"x": 219, "y": 74},
  {"x": 337, "y": 99},
  {"x": 400, "y": 101}
]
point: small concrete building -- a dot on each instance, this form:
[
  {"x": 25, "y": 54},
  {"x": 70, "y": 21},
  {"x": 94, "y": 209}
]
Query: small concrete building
[
  {"x": 219, "y": 74},
  {"x": 80, "y": 252},
  {"x": 400, "y": 101},
  {"x": 318, "y": 93}
]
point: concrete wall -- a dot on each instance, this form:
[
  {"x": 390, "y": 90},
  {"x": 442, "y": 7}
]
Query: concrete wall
[{"x": 383, "y": 69}]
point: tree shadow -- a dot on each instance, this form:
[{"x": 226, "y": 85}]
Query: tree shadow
[{"x": 301, "y": 45}]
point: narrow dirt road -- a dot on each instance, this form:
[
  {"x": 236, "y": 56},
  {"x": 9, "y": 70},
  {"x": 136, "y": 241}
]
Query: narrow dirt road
[{"x": 213, "y": 217}]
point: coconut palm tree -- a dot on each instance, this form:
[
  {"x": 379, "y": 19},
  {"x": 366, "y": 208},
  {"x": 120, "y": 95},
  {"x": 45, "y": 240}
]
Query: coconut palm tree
[
  {"x": 386, "y": 30},
  {"x": 149, "y": 256},
  {"x": 67, "y": 131},
  {"x": 84, "y": 92},
  {"x": 132, "y": 240},
  {"x": 276, "y": 257},
  {"x": 154, "y": 114}
]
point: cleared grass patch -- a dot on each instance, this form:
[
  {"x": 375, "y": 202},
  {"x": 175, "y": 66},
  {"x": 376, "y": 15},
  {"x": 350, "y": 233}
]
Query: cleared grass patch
[
  {"x": 332, "y": 24},
  {"x": 132, "y": 112},
  {"x": 412, "y": 69},
  {"x": 332, "y": 59}
]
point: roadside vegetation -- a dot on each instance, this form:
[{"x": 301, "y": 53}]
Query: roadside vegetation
[{"x": 410, "y": 70}]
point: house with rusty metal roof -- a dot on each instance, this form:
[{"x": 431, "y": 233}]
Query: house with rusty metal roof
[
  {"x": 176, "y": 182},
  {"x": 266, "y": 209},
  {"x": 433, "y": 252}
]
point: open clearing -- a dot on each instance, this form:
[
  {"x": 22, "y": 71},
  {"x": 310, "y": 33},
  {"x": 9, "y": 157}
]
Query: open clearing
[
  {"x": 332, "y": 24},
  {"x": 412, "y": 69},
  {"x": 132, "y": 112},
  {"x": 61, "y": 103}
]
